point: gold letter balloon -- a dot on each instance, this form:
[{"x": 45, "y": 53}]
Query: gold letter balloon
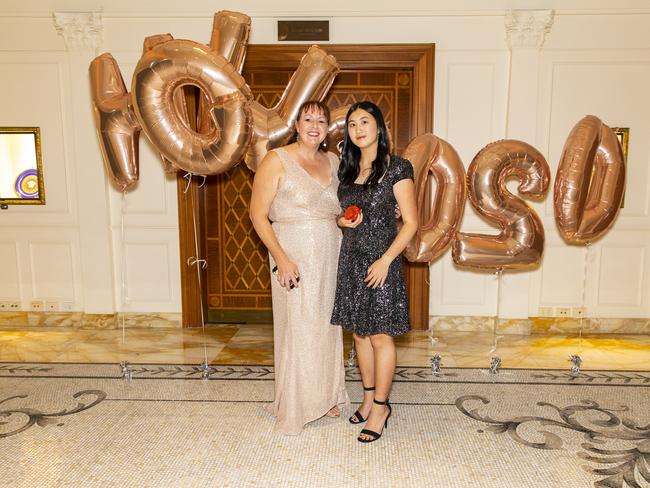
[
  {"x": 166, "y": 68},
  {"x": 273, "y": 127},
  {"x": 590, "y": 182},
  {"x": 117, "y": 127},
  {"x": 521, "y": 241},
  {"x": 231, "y": 126},
  {"x": 438, "y": 221}
]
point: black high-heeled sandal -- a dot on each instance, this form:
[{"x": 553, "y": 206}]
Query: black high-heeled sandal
[
  {"x": 372, "y": 433},
  {"x": 357, "y": 418}
]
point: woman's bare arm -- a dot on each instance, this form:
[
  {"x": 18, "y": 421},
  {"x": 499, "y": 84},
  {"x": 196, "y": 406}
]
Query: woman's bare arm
[{"x": 265, "y": 187}]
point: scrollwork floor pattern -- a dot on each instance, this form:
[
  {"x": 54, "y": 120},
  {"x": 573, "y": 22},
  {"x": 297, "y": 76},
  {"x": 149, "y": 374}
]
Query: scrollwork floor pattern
[{"x": 82, "y": 425}]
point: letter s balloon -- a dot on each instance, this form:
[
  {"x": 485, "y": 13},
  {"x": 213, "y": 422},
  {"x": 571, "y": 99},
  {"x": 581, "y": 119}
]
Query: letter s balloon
[{"x": 521, "y": 241}]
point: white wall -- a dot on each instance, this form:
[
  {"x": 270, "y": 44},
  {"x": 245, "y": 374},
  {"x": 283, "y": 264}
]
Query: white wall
[{"x": 594, "y": 60}]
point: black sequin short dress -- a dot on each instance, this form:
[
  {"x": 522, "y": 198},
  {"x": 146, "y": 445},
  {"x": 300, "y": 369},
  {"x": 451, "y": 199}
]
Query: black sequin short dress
[{"x": 358, "y": 308}]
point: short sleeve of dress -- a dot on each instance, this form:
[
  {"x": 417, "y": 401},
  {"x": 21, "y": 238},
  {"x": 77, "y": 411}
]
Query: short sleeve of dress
[{"x": 402, "y": 170}]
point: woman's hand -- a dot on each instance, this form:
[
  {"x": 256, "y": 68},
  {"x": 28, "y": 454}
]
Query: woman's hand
[
  {"x": 377, "y": 273},
  {"x": 288, "y": 274},
  {"x": 350, "y": 224}
]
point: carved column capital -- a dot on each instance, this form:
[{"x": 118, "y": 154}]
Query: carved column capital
[
  {"x": 80, "y": 30},
  {"x": 528, "y": 28}
]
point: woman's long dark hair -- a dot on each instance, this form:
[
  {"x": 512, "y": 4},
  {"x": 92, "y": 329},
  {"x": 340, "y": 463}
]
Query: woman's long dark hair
[
  {"x": 312, "y": 106},
  {"x": 351, "y": 154}
]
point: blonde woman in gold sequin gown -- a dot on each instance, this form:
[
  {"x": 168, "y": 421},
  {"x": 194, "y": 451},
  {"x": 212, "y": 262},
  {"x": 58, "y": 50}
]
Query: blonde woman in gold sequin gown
[{"x": 293, "y": 208}]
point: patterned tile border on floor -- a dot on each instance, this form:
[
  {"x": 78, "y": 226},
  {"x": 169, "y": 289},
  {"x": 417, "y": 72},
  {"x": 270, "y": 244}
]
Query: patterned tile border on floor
[{"x": 408, "y": 374}]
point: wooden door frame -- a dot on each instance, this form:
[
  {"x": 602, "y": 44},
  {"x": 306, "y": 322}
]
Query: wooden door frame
[{"x": 418, "y": 57}]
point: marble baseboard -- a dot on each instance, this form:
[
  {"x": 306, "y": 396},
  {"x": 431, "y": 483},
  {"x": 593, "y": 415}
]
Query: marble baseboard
[
  {"x": 540, "y": 325},
  {"x": 479, "y": 324},
  {"x": 83, "y": 320},
  {"x": 548, "y": 325},
  {"x": 532, "y": 325}
]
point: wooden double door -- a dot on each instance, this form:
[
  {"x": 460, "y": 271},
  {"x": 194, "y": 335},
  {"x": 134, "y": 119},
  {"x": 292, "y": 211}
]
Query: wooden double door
[{"x": 235, "y": 284}]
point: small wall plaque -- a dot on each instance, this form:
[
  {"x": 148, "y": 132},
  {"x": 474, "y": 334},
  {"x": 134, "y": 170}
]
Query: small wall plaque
[{"x": 303, "y": 30}]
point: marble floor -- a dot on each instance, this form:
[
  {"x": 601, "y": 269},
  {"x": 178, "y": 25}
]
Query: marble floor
[
  {"x": 84, "y": 426},
  {"x": 253, "y": 344}
]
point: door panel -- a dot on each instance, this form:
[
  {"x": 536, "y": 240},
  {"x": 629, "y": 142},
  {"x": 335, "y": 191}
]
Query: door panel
[{"x": 398, "y": 78}]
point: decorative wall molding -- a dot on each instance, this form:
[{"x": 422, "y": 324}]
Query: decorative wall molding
[
  {"x": 10, "y": 284},
  {"x": 52, "y": 267},
  {"x": 80, "y": 30},
  {"x": 528, "y": 28}
]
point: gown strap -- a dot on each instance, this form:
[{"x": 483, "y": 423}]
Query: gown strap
[
  {"x": 334, "y": 164},
  {"x": 282, "y": 154}
]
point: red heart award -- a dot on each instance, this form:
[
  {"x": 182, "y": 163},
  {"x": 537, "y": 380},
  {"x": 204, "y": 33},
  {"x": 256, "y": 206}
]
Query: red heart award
[{"x": 352, "y": 213}]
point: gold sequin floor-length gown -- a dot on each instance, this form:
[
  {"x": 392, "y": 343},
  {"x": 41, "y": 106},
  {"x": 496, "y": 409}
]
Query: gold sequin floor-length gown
[{"x": 308, "y": 350}]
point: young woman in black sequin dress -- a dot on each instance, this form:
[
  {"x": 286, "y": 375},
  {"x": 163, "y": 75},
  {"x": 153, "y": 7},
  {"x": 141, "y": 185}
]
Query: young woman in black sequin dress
[{"x": 370, "y": 293}]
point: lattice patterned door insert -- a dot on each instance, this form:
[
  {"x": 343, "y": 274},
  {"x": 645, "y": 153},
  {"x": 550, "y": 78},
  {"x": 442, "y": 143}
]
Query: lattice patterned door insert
[{"x": 238, "y": 271}]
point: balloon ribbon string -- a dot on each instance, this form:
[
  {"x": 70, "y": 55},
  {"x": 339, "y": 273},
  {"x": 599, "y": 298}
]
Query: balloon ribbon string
[
  {"x": 123, "y": 265},
  {"x": 498, "y": 273},
  {"x": 584, "y": 291},
  {"x": 196, "y": 261}
]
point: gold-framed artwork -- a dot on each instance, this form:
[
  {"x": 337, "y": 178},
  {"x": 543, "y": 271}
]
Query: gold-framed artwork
[
  {"x": 623, "y": 134},
  {"x": 21, "y": 166}
]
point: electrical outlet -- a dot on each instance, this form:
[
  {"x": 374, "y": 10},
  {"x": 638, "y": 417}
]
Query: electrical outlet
[
  {"x": 545, "y": 312},
  {"x": 9, "y": 306},
  {"x": 579, "y": 312},
  {"x": 563, "y": 311},
  {"x": 67, "y": 306},
  {"x": 51, "y": 306},
  {"x": 36, "y": 305}
]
